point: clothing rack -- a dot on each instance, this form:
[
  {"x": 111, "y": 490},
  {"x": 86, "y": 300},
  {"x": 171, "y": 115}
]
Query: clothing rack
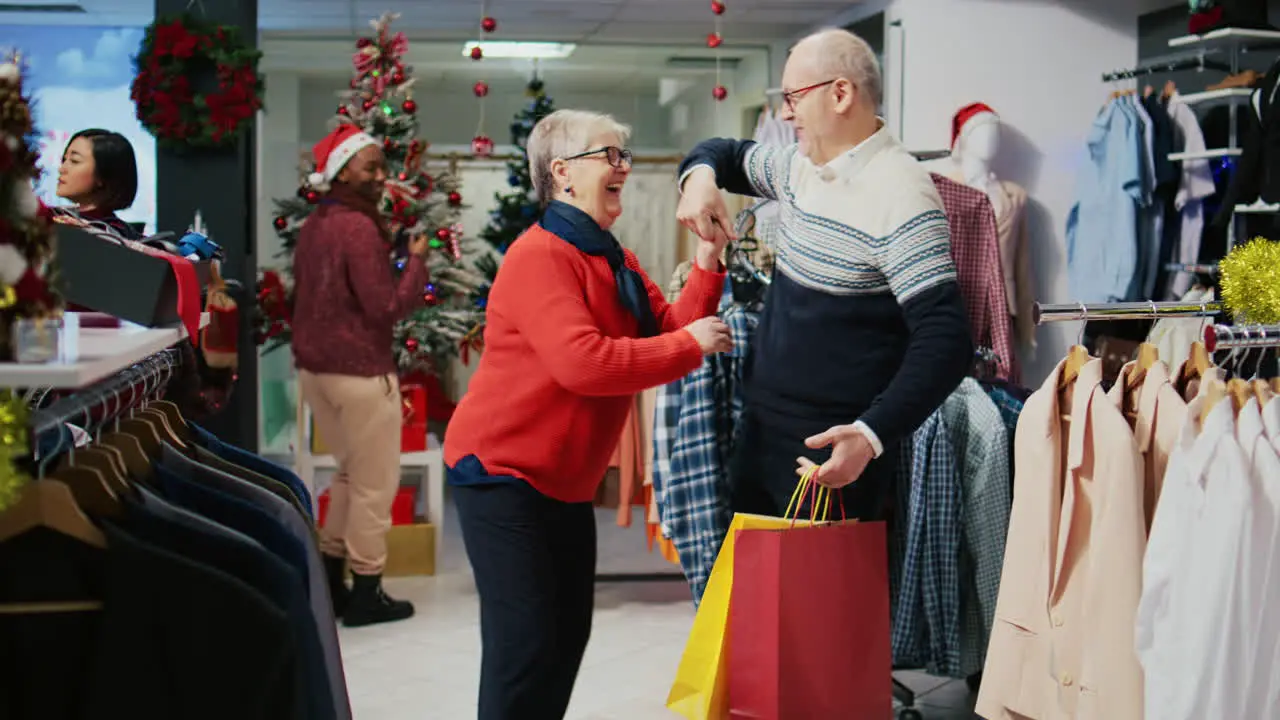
[
  {"x": 1241, "y": 337},
  {"x": 95, "y": 405},
  {"x": 1168, "y": 66},
  {"x": 1068, "y": 312},
  {"x": 1192, "y": 268}
]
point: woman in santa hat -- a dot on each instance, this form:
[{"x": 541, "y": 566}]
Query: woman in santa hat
[{"x": 345, "y": 304}]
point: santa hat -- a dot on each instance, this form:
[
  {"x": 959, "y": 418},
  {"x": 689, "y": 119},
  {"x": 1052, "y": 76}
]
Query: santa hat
[
  {"x": 969, "y": 117},
  {"x": 335, "y": 150}
]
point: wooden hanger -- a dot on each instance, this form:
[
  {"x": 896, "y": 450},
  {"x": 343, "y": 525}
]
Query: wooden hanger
[
  {"x": 146, "y": 433},
  {"x": 93, "y": 493},
  {"x": 1170, "y": 89},
  {"x": 134, "y": 456},
  {"x": 1214, "y": 393},
  {"x": 1262, "y": 390},
  {"x": 174, "y": 416},
  {"x": 49, "y": 504},
  {"x": 1275, "y": 385},
  {"x": 1240, "y": 392},
  {"x": 1077, "y": 357},
  {"x": 109, "y": 466},
  {"x": 161, "y": 424}
]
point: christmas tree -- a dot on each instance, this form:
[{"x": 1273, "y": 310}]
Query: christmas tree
[
  {"x": 518, "y": 209},
  {"x": 27, "y": 265},
  {"x": 380, "y": 101}
]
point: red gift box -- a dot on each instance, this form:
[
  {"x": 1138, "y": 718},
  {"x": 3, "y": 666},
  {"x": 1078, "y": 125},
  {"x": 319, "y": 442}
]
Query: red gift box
[
  {"x": 413, "y": 427},
  {"x": 402, "y": 507}
]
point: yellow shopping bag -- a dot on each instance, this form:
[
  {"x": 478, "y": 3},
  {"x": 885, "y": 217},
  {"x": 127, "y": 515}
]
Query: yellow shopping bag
[{"x": 701, "y": 687}]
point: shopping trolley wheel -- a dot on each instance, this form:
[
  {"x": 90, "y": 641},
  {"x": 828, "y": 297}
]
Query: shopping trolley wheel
[{"x": 909, "y": 714}]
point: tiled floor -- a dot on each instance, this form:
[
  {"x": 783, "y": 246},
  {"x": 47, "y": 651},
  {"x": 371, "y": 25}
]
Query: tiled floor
[{"x": 427, "y": 668}]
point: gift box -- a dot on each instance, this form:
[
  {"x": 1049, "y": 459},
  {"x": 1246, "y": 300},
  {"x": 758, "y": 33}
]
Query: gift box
[
  {"x": 413, "y": 428},
  {"x": 401, "y": 507}
]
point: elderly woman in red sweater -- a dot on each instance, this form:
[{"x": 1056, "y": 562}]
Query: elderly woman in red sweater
[{"x": 575, "y": 329}]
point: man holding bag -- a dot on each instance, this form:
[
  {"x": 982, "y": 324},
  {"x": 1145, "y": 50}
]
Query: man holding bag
[{"x": 864, "y": 333}]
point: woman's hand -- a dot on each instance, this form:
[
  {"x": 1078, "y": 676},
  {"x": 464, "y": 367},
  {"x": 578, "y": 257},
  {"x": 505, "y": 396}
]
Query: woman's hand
[
  {"x": 712, "y": 335},
  {"x": 419, "y": 245}
]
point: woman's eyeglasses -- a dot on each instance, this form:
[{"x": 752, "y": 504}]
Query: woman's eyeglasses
[{"x": 615, "y": 155}]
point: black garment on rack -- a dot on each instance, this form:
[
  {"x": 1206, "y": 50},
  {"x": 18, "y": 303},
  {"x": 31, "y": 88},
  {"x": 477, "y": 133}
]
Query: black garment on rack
[{"x": 175, "y": 639}]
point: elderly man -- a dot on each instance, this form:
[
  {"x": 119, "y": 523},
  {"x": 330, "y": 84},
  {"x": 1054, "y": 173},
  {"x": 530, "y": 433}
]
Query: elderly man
[{"x": 863, "y": 334}]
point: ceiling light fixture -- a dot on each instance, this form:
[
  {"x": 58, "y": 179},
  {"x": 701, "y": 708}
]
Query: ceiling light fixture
[{"x": 521, "y": 50}]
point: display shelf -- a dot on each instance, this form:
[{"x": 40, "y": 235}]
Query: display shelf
[
  {"x": 1206, "y": 154},
  {"x": 1211, "y": 97},
  {"x": 1258, "y": 208},
  {"x": 88, "y": 354},
  {"x": 1226, "y": 36}
]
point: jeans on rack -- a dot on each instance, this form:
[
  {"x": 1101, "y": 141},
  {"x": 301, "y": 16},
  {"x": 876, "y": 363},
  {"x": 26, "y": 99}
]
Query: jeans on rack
[{"x": 534, "y": 560}]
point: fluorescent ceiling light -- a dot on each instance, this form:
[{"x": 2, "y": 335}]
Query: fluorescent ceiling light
[{"x": 524, "y": 50}]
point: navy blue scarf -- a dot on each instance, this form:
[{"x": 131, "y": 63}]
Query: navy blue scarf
[{"x": 579, "y": 230}]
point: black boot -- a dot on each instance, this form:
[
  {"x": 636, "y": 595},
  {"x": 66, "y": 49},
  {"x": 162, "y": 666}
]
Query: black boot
[
  {"x": 369, "y": 605},
  {"x": 335, "y": 568}
]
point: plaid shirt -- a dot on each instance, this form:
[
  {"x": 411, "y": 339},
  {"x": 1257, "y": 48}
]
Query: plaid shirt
[
  {"x": 695, "y": 422},
  {"x": 975, "y": 250},
  {"x": 981, "y": 445},
  {"x": 926, "y": 616}
]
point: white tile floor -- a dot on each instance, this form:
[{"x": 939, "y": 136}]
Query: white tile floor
[{"x": 427, "y": 668}]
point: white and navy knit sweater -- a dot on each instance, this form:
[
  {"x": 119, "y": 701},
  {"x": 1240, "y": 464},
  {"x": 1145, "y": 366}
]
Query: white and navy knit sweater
[{"x": 864, "y": 319}]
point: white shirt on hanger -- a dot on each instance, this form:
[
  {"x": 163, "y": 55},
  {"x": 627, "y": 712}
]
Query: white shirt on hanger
[
  {"x": 1265, "y": 478},
  {"x": 1194, "y": 186},
  {"x": 1192, "y": 618},
  {"x": 1271, "y": 421}
]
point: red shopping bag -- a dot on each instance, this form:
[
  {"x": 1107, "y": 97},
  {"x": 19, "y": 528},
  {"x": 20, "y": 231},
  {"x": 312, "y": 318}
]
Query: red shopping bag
[{"x": 809, "y": 624}]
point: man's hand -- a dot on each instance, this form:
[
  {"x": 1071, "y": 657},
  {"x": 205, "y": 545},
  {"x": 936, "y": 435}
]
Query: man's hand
[
  {"x": 702, "y": 210},
  {"x": 850, "y": 454},
  {"x": 418, "y": 245}
]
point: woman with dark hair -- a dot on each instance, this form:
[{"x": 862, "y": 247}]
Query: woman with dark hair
[{"x": 100, "y": 175}]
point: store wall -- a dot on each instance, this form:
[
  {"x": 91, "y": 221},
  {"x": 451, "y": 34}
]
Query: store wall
[{"x": 1039, "y": 65}]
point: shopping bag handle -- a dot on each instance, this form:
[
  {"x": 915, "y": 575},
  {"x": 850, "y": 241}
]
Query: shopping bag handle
[{"x": 818, "y": 495}]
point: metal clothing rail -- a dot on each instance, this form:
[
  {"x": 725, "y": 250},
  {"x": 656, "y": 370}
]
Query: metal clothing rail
[
  {"x": 93, "y": 406},
  {"x": 1067, "y": 312},
  {"x": 1192, "y": 268},
  {"x": 1196, "y": 63},
  {"x": 1241, "y": 337}
]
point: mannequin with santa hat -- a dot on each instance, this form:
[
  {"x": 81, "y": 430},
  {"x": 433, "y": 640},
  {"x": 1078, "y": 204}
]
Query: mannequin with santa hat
[
  {"x": 346, "y": 303},
  {"x": 975, "y": 142}
]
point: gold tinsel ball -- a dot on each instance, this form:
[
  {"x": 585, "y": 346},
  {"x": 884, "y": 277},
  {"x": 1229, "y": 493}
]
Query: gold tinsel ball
[{"x": 1250, "y": 282}]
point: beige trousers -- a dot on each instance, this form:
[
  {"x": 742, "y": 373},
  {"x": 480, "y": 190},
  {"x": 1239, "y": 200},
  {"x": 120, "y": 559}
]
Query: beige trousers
[{"x": 359, "y": 419}]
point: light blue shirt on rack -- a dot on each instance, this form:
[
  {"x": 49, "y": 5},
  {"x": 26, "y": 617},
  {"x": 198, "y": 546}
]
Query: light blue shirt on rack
[{"x": 1102, "y": 243}]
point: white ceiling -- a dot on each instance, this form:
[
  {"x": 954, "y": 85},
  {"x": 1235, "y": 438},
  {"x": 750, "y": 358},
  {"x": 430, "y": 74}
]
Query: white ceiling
[{"x": 614, "y": 21}]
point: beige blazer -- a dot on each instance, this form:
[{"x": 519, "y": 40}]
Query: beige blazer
[
  {"x": 1062, "y": 644},
  {"x": 1160, "y": 414}
]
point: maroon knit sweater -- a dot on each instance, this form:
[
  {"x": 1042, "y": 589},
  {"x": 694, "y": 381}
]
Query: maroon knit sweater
[{"x": 345, "y": 298}]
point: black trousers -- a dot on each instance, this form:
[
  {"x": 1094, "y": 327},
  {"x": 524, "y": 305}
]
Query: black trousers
[
  {"x": 762, "y": 471},
  {"x": 534, "y": 560}
]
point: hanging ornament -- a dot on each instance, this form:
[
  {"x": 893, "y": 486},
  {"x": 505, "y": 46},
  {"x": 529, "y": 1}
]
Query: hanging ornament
[
  {"x": 410, "y": 106},
  {"x": 455, "y": 198},
  {"x": 312, "y": 197},
  {"x": 455, "y": 242},
  {"x": 720, "y": 92},
  {"x": 411, "y": 344},
  {"x": 411, "y": 220},
  {"x": 398, "y": 78},
  {"x": 367, "y": 105},
  {"x": 488, "y": 24},
  {"x": 481, "y": 89},
  {"x": 281, "y": 223},
  {"x": 388, "y": 145},
  {"x": 364, "y": 42},
  {"x": 717, "y": 7},
  {"x": 714, "y": 40},
  {"x": 1250, "y": 280},
  {"x": 476, "y": 53},
  {"x": 442, "y": 237},
  {"x": 481, "y": 146},
  {"x": 342, "y": 110},
  {"x": 431, "y": 298}
]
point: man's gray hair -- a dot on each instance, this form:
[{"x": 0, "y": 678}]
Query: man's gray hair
[
  {"x": 561, "y": 134},
  {"x": 841, "y": 54}
]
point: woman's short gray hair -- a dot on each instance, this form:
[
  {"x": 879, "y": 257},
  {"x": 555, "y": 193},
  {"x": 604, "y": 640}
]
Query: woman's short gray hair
[{"x": 561, "y": 134}]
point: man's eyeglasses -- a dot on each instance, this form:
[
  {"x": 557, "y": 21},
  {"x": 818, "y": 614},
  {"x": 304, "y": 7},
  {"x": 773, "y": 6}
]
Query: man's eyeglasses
[
  {"x": 792, "y": 97},
  {"x": 615, "y": 155}
]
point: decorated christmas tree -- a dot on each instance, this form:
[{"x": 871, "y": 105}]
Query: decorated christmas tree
[
  {"x": 380, "y": 101},
  {"x": 518, "y": 209},
  {"x": 26, "y": 228}
]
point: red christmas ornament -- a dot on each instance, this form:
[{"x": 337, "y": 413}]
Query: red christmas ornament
[
  {"x": 717, "y": 7},
  {"x": 720, "y": 92},
  {"x": 411, "y": 345},
  {"x": 430, "y": 298},
  {"x": 481, "y": 146},
  {"x": 313, "y": 197},
  {"x": 455, "y": 198},
  {"x": 411, "y": 221},
  {"x": 403, "y": 177},
  {"x": 488, "y": 24},
  {"x": 410, "y": 106},
  {"x": 364, "y": 42},
  {"x": 480, "y": 89},
  {"x": 398, "y": 78},
  {"x": 353, "y": 83},
  {"x": 388, "y": 144},
  {"x": 281, "y": 223},
  {"x": 443, "y": 234},
  {"x": 476, "y": 53},
  {"x": 714, "y": 40},
  {"x": 342, "y": 110},
  {"x": 368, "y": 105}
]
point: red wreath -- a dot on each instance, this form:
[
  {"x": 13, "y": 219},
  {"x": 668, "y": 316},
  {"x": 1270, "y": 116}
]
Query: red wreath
[{"x": 174, "y": 51}]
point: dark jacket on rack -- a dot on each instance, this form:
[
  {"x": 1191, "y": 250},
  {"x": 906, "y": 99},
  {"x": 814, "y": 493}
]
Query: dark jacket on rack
[
  {"x": 174, "y": 639},
  {"x": 1257, "y": 175}
]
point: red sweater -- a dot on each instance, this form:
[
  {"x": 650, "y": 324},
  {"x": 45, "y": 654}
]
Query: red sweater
[
  {"x": 562, "y": 364},
  {"x": 346, "y": 301}
]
